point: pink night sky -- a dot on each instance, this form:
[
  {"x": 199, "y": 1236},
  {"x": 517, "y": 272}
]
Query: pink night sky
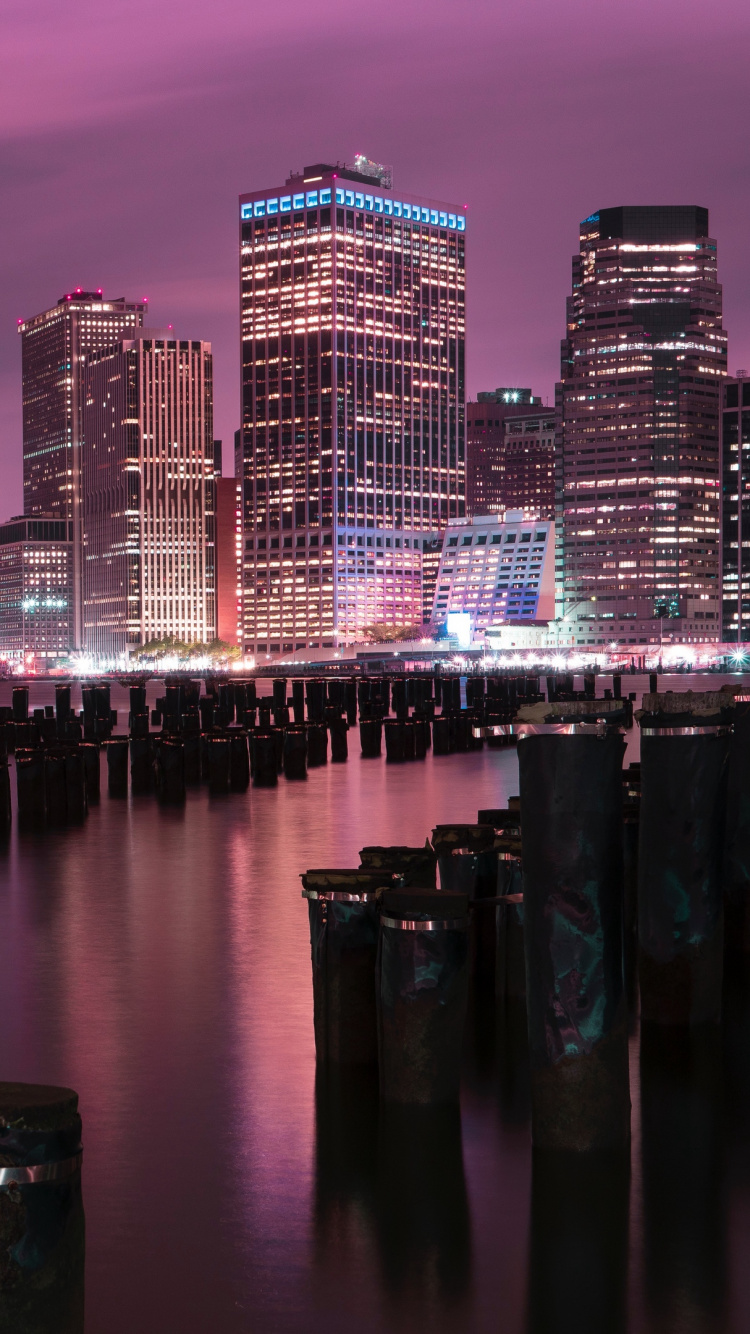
[{"x": 128, "y": 130}]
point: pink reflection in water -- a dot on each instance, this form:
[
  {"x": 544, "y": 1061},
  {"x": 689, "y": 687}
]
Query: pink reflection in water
[{"x": 158, "y": 961}]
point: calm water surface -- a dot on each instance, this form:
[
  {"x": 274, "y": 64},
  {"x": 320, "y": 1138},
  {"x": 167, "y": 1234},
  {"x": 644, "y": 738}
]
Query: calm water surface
[{"x": 158, "y": 961}]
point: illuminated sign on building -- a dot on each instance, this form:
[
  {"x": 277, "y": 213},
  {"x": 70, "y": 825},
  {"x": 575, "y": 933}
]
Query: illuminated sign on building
[
  {"x": 458, "y": 623},
  {"x": 391, "y": 208}
]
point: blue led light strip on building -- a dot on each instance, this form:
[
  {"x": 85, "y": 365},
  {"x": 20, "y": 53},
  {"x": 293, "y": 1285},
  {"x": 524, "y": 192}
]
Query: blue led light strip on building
[{"x": 390, "y": 208}]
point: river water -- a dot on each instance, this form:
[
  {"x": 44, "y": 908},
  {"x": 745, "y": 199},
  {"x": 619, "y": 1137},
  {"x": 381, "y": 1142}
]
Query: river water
[{"x": 158, "y": 961}]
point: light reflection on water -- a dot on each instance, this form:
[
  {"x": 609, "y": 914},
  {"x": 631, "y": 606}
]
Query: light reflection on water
[{"x": 158, "y": 961}]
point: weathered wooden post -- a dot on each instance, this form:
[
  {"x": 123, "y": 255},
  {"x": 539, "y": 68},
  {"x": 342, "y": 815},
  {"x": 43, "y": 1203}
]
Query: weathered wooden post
[
  {"x": 338, "y": 728},
  {"x": 206, "y": 706},
  {"x": 218, "y": 764},
  {"x": 141, "y": 764},
  {"x": 89, "y": 751},
  {"x": 102, "y": 711},
  {"x": 317, "y": 744},
  {"x": 191, "y": 750},
  {"x": 75, "y": 785},
  {"x": 55, "y": 798},
  {"x": 239, "y": 762},
  {"x": 510, "y": 961},
  {"x": 571, "y": 829},
  {"x": 5, "y": 799},
  {"x": 63, "y": 710},
  {"x": 265, "y": 767},
  {"x": 20, "y": 697},
  {"x": 350, "y": 702},
  {"x": 298, "y": 701},
  {"x": 343, "y": 936},
  {"x": 736, "y": 869},
  {"x": 417, "y": 867},
  {"x": 295, "y": 751},
  {"x": 169, "y": 769},
  {"x": 370, "y": 737},
  {"x": 41, "y": 1211},
  {"x": 315, "y": 695},
  {"x": 30, "y": 787},
  {"x": 466, "y": 857},
  {"x": 423, "y": 935},
  {"x": 394, "y": 741},
  {"x": 441, "y": 735},
  {"x": 117, "y": 766}
]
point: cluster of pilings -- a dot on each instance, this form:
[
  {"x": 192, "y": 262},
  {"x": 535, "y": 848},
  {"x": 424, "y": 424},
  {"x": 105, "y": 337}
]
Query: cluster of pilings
[
  {"x": 232, "y": 734},
  {"x": 395, "y": 957},
  {"x": 56, "y": 755},
  {"x": 597, "y": 890}
]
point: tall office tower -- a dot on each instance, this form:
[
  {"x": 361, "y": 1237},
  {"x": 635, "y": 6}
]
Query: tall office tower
[
  {"x": 148, "y": 493},
  {"x": 36, "y": 589},
  {"x": 228, "y": 554},
  {"x": 735, "y": 527},
  {"x": 638, "y": 467},
  {"x": 54, "y": 347},
  {"x": 485, "y": 441},
  {"x": 353, "y": 402}
]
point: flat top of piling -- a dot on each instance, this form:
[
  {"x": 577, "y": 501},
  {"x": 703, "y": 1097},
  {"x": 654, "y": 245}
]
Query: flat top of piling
[
  {"x": 441, "y": 903},
  {"x": 37, "y": 1106},
  {"x": 337, "y": 877}
]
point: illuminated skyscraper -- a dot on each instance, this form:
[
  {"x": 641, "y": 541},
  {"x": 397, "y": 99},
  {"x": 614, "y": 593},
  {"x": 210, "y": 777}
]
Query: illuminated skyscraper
[
  {"x": 148, "y": 493},
  {"x": 638, "y": 481},
  {"x": 54, "y": 347},
  {"x": 36, "y": 589},
  {"x": 735, "y": 528},
  {"x": 353, "y": 435}
]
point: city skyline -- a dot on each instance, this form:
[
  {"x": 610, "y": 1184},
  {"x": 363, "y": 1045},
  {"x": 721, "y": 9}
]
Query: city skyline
[
  {"x": 352, "y": 305},
  {"x": 523, "y": 150}
]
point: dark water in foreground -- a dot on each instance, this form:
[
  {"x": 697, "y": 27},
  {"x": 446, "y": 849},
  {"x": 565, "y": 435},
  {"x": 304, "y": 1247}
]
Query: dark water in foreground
[{"x": 158, "y": 962}]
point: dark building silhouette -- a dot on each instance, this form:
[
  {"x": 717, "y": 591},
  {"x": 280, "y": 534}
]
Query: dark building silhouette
[{"x": 485, "y": 446}]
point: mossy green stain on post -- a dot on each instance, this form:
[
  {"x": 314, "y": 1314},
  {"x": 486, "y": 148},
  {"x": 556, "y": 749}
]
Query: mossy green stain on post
[{"x": 571, "y": 822}]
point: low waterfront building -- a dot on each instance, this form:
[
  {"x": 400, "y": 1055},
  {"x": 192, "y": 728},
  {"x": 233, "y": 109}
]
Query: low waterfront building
[
  {"x": 36, "y": 589},
  {"x": 498, "y": 568}
]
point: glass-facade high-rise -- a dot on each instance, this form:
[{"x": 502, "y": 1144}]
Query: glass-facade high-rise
[
  {"x": 353, "y": 433},
  {"x": 735, "y": 527},
  {"x": 55, "y": 344},
  {"x": 637, "y": 464},
  {"x": 148, "y": 493}
]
